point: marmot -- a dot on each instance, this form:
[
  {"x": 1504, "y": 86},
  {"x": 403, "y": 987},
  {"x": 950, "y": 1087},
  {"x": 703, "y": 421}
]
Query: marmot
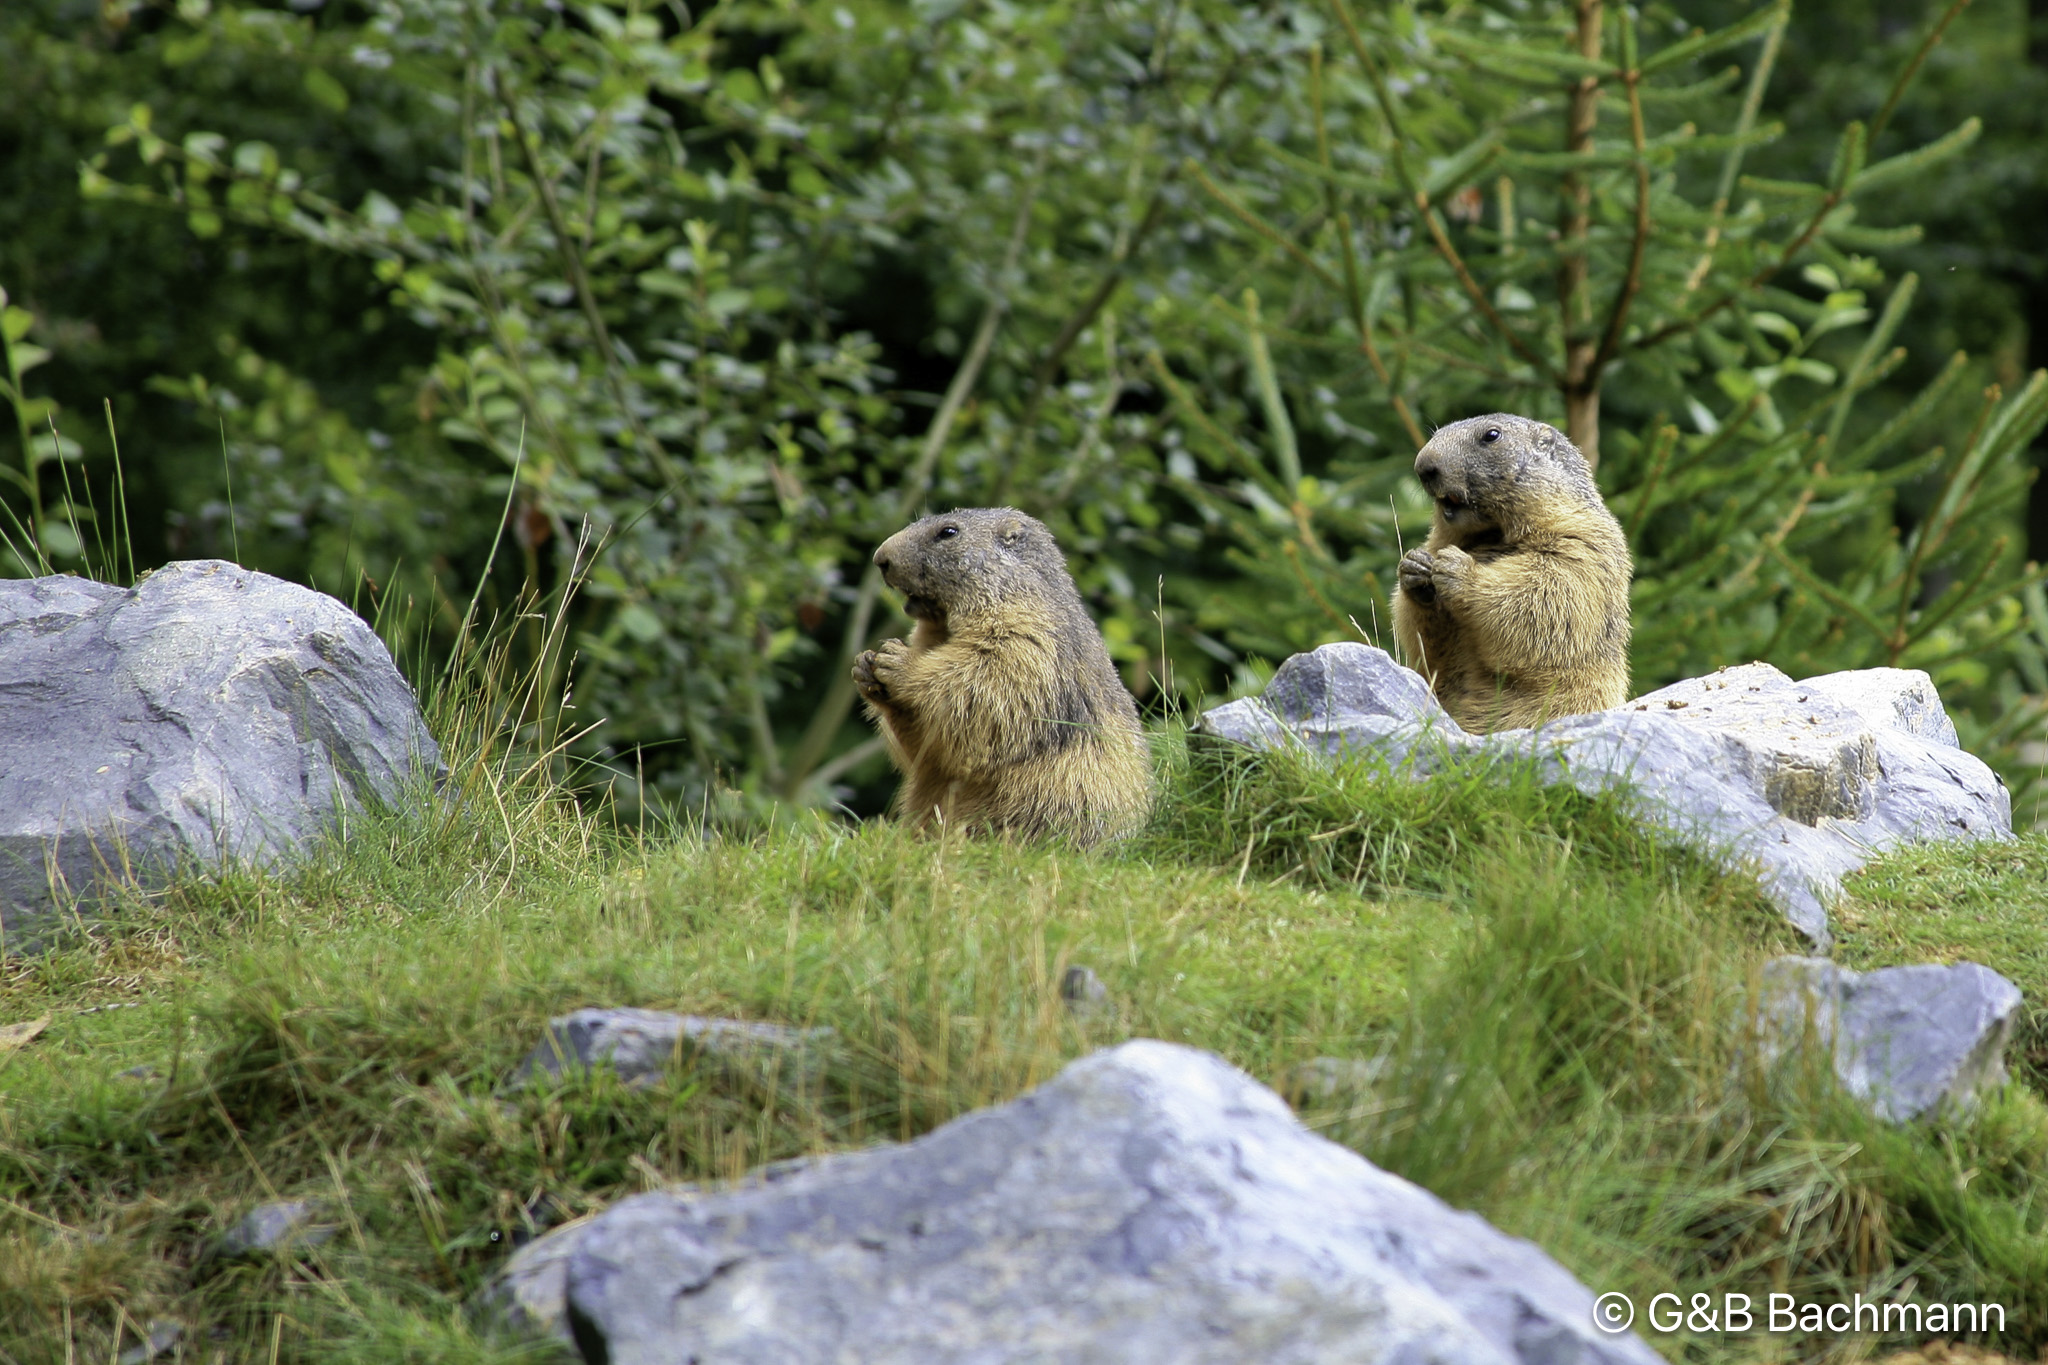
[
  {"x": 1002, "y": 710},
  {"x": 1516, "y": 609}
]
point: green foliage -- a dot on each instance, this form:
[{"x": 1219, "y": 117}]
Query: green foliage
[
  {"x": 643, "y": 262},
  {"x": 694, "y": 306}
]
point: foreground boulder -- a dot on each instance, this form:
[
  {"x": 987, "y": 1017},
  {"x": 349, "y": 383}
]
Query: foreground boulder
[
  {"x": 1803, "y": 779},
  {"x": 1151, "y": 1203},
  {"x": 208, "y": 712},
  {"x": 1907, "y": 1041}
]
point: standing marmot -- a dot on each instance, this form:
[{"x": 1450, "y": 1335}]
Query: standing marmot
[
  {"x": 1517, "y": 608},
  {"x": 1002, "y": 710}
]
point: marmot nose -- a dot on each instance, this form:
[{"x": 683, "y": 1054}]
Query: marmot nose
[
  {"x": 882, "y": 559},
  {"x": 1429, "y": 472}
]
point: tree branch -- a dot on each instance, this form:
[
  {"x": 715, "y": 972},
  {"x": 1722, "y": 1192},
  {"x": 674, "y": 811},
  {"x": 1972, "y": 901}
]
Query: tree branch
[
  {"x": 572, "y": 261},
  {"x": 1617, "y": 317},
  {"x": 1430, "y": 218},
  {"x": 1752, "y": 102},
  {"x": 1353, "y": 295}
]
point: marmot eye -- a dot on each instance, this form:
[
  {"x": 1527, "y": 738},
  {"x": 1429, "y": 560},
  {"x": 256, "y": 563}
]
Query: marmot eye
[
  {"x": 1492, "y": 435},
  {"x": 947, "y": 532}
]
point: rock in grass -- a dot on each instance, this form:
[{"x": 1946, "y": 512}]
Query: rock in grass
[
  {"x": 639, "y": 1045},
  {"x": 207, "y": 713},
  {"x": 1804, "y": 780},
  {"x": 1151, "y": 1203},
  {"x": 159, "y": 1339},
  {"x": 1085, "y": 994},
  {"x": 278, "y": 1226},
  {"x": 1907, "y": 1041}
]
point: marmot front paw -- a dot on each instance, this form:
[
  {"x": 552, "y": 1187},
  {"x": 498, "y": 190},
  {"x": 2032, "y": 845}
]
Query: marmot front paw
[
  {"x": 1448, "y": 570},
  {"x": 864, "y": 677},
  {"x": 1416, "y": 575},
  {"x": 875, "y": 667}
]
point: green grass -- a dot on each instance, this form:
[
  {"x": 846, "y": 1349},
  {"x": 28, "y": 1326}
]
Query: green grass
[{"x": 1554, "y": 989}]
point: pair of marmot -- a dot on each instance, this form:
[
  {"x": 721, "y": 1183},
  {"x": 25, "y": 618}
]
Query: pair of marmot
[{"x": 1003, "y": 712}]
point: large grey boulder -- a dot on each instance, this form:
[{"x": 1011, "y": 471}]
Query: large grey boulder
[
  {"x": 1151, "y": 1203},
  {"x": 1802, "y": 780},
  {"x": 208, "y": 712},
  {"x": 1907, "y": 1041}
]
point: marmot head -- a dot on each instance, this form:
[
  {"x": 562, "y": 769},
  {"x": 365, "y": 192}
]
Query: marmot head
[
  {"x": 971, "y": 559},
  {"x": 1483, "y": 468}
]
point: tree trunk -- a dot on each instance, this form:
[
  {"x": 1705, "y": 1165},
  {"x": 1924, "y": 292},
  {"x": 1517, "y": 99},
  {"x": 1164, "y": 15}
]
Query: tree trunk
[
  {"x": 1582, "y": 418},
  {"x": 1580, "y": 385}
]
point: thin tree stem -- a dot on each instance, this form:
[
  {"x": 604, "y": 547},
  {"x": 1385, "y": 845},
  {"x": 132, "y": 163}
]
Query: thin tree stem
[
  {"x": 1617, "y": 317},
  {"x": 572, "y": 262},
  {"x": 1752, "y": 103},
  {"x": 1431, "y": 220},
  {"x": 832, "y": 711}
]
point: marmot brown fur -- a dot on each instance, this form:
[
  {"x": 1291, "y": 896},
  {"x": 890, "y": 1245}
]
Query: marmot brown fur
[
  {"x": 1516, "y": 609},
  {"x": 1002, "y": 710}
]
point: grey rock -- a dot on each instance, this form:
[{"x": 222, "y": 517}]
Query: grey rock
[
  {"x": 158, "y": 1339},
  {"x": 1801, "y": 781},
  {"x": 1151, "y": 1203},
  {"x": 283, "y": 1225},
  {"x": 1907, "y": 1041},
  {"x": 145, "y": 1072},
  {"x": 640, "y": 1045},
  {"x": 207, "y": 713},
  {"x": 530, "y": 1294},
  {"x": 1085, "y": 994},
  {"x": 1340, "y": 697}
]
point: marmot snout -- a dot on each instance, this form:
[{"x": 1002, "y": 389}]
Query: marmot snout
[
  {"x": 1517, "y": 607},
  {"x": 1002, "y": 710}
]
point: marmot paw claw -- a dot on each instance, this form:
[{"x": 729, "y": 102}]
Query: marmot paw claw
[
  {"x": 865, "y": 680},
  {"x": 1416, "y": 576}
]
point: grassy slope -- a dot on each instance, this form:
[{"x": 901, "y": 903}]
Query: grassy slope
[{"x": 1554, "y": 990}]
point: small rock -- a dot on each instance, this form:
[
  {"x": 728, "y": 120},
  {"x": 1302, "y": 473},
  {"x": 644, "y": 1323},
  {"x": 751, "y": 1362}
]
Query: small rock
[
  {"x": 145, "y": 1072},
  {"x": 1342, "y": 696},
  {"x": 1907, "y": 1041},
  {"x": 1084, "y": 993},
  {"x": 281, "y": 1226},
  {"x": 640, "y": 1045},
  {"x": 159, "y": 1338}
]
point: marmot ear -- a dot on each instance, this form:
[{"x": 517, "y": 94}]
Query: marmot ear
[{"x": 1009, "y": 531}]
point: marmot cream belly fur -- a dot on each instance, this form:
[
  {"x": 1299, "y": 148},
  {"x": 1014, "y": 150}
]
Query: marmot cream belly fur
[
  {"x": 1516, "y": 609},
  {"x": 1002, "y": 710}
]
